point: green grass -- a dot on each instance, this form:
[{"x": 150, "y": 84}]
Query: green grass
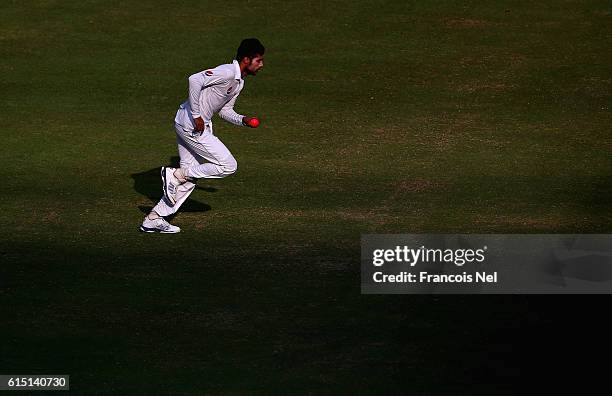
[{"x": 377, "y": 117}]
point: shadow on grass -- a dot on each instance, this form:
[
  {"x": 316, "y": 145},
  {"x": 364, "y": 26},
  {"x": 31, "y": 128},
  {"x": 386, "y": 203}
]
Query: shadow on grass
[{"x": 148, "y": 183}]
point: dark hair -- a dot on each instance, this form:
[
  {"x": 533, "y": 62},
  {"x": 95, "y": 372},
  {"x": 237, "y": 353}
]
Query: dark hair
[{"x": 250, "y": 48}]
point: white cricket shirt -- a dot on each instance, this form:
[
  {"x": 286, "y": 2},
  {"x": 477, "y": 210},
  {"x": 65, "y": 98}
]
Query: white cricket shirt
[{"x": 212, "y": 91}]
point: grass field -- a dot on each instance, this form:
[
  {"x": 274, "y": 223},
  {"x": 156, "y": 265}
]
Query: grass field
[{"x": 377, "y": 117}]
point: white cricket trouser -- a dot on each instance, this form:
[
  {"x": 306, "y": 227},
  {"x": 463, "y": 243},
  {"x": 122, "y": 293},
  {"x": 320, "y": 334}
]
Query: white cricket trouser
[{"x": 203, "y": 156}]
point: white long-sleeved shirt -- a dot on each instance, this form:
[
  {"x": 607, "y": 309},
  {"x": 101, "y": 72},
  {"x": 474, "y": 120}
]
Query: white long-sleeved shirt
[{"x": 212, "y": 91}]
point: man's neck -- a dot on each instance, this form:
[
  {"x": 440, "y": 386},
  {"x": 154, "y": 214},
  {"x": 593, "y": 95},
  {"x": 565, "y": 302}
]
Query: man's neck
[{"x": 243, "y": 72}]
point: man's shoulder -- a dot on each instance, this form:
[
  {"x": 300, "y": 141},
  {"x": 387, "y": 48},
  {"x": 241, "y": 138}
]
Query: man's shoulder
[{"x": 225, "y": 71}]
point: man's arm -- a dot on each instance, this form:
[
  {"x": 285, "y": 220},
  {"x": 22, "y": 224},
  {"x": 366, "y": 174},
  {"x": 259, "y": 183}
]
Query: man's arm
[{"x": 229, "y": 114}]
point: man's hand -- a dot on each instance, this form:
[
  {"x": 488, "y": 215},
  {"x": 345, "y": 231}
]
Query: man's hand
[
  {"x": 252, "y": 122},
  {"x": 199, "y": 124}
]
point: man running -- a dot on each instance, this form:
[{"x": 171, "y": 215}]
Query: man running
[{"x": 202, "y": 154}]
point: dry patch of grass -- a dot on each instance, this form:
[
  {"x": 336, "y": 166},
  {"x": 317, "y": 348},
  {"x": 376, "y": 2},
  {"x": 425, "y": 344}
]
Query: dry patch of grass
[
  {"x": 51, "y": 217},
  {"x": 466, "y": 23},
  {"x": 547, "y": 223},
  {"x": 417, "y": 186},
  {"x": 478, "y": 86}
]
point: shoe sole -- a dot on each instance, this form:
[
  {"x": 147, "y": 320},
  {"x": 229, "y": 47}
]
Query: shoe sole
[
  {"x": 152, "y": 230},
  {"x": 166, "y": 195}
]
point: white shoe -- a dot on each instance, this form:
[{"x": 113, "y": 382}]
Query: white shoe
[
  {"x": 158, "y": 225},
  {"x": 169, "y": 184}
]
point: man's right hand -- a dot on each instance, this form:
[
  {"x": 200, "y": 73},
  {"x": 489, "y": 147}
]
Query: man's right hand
[{"x": 199, "y": 124}]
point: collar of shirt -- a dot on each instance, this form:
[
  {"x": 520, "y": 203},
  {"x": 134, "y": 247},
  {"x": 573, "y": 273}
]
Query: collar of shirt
[{"x": 238, "y": 73}]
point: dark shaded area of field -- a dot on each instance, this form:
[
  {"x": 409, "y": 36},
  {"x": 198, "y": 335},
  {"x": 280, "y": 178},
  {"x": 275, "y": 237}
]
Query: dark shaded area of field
[{"x": 377, "y": 117}]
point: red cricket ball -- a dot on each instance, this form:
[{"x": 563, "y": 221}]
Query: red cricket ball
[{"x": 253, "y": 122}]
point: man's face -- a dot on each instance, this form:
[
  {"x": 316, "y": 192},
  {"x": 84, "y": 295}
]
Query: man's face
[{"x": 255, "y": 65}]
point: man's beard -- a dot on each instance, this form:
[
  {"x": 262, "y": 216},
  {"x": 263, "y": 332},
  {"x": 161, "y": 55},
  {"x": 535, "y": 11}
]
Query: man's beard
[{"x": 250, "y": 72}]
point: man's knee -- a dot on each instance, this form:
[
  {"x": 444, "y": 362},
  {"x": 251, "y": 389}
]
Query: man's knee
[
  {"x": 229, "y": 166},
  {"x": 188, "y": 163}
]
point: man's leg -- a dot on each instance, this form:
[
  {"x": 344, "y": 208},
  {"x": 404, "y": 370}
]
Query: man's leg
[
  {"x": 220, "y": 161},
  {"x": 205, "y": 147},
  {"x": 194, "y": 149},
  {"x": 183, "y": 190},
  {"x": 154, "y": 221}
]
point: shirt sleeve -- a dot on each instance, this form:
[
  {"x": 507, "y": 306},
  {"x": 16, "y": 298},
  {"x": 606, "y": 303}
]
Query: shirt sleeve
[
  {"x": 200, "y": 81},
  {"x": 228, "y": 113}
]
